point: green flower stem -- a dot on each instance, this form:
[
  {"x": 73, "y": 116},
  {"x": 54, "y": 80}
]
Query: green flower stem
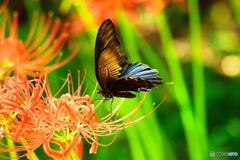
[
  {"x": 30, "y": 153},
  {"x": 88, "y": 19},
  {"x": 179, "y": 87},
  {"x": 136, "y": 150},
  {"x": 198, "y": 74},
  {"x": 10, "y": 143},
  {"x": 74, "y": 155},
  {"x": 33, "y": 155}
]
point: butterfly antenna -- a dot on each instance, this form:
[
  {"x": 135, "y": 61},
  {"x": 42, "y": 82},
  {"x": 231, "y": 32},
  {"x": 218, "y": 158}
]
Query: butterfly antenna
[
  {"x": 105, "y": 100},
  {"x": 111, "y": 109}
]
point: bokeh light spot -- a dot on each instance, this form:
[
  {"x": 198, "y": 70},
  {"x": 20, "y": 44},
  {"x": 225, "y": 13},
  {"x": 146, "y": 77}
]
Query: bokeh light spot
[{"x": 230, "y": 65}]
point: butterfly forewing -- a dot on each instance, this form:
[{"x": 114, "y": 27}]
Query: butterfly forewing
[
  {"x": 106, "y": 38},
  {"x": 108, "y": 58},
  {"x": 108, "y": 68}
]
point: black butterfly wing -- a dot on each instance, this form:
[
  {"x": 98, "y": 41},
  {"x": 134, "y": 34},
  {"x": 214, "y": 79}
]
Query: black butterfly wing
[
  {"x": 115, "y": 75},
  {"x": 108, "y": 59},
  {"x": 106, "y": 38},
  {"x": 136, "y": 77},
  {"x": 108, "y": 68},
  {"x": 123, "y": 86}
]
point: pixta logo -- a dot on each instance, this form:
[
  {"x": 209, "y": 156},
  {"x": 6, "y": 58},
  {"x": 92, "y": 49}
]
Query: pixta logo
[{"x": 223, "y": 154}]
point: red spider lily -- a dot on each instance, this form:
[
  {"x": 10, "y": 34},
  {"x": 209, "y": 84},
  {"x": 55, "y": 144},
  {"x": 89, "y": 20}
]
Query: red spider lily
[
  {"x": 32, "y": 116},
  {"x": 107, "y": 8},
  {"x": 101, "y": 10},
  {"x": 40, "y": 52}
]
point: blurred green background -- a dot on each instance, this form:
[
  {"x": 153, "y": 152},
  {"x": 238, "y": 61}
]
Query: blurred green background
[{"x": 194, "y": 44}]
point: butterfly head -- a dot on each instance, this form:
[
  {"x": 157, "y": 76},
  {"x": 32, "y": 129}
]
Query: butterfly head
[{"x": 105, "y": 93}]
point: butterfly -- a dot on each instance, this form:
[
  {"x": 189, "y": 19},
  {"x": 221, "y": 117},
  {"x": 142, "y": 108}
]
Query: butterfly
[{"x": 115, "y": 74}]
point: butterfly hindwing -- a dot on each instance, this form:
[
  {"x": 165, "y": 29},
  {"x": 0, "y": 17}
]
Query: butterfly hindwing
[
  {"x": 132, "y": 84},
  {"x": 141, "y": 71},
  {"x": 137, "y": 77}
]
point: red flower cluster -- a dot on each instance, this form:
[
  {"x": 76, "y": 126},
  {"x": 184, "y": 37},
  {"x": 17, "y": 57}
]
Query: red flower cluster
[
  {"x": 33, "y": 120},
  {"x": 32, "y": 116},
  {"x": 40, "y": 52},
  {"x": 101, "y": 10}
]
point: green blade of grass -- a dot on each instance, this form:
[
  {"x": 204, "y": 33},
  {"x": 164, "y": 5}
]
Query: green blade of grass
[
  {"x": 128, "y": 39},
  {"x": 198, "y": 74},
  {"x": 148, "y": 136},
  {"x": 235, "y": 5},
  {"x": 180, "y": 90},
  {"x": 151, "y": 56},
  {"x": 134, "y": 144}
]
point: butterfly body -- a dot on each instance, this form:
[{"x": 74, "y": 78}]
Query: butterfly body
[{"x": 116, "y": 76}]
